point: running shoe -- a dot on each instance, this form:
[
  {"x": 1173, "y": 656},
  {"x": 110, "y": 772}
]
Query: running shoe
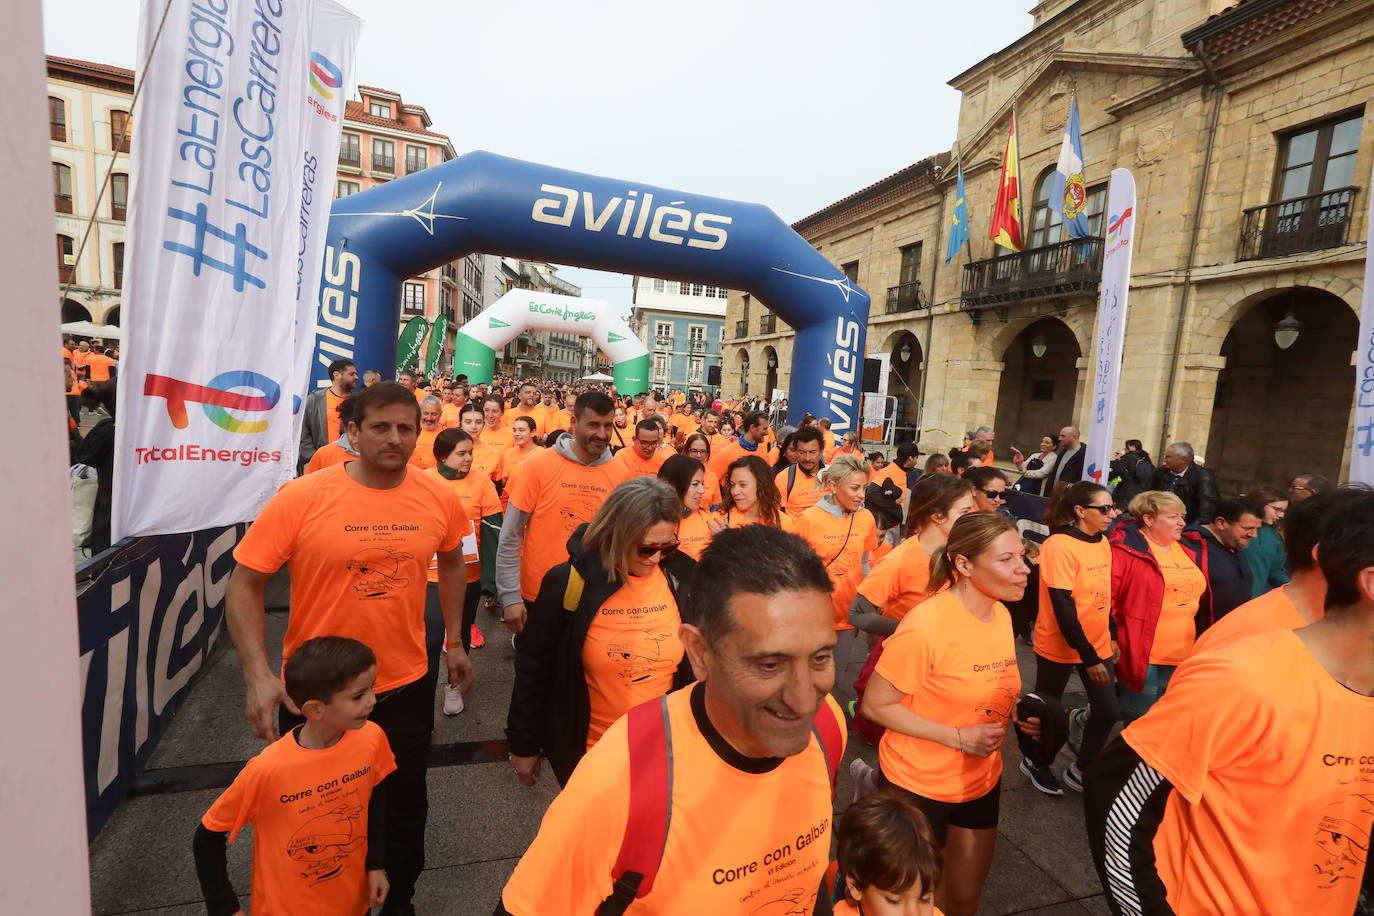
[
  {"x": 453, "y": 700},
  {"x": 1042, "y": 778},
  {"x": 1073, "y": 778},
  {"x": 861, "y": 774},
  {"x": 1078, "y": 720},
  {"x": 478, "y": 640}
]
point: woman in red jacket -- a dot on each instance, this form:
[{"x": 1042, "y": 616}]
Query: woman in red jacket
[{"x": 1159, "y": 573}]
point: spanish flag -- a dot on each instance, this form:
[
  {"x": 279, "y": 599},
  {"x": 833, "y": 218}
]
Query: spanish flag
[{"x": 1006, "y": 214}]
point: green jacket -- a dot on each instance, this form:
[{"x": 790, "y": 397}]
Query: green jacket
[{"x": 1267, "y": 560}]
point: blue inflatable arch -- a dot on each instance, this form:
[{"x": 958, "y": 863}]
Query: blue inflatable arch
[{"x": 485, "y": 202}]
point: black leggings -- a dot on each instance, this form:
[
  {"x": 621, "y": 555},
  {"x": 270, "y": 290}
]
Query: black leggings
[{"x": 1050, "y": 680}]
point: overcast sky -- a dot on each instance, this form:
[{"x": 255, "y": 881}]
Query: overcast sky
[{"x": 789, "y": 104}]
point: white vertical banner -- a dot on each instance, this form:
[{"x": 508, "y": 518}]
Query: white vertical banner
[
  {"x": 1111, "y": 324},
  {"x": 1362, "y": 450},
  {"x": 884, "y": 366},
  {"x": 209, "y": 377}
]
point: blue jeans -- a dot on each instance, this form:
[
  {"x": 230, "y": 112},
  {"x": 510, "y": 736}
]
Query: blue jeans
[{"x": 1133, "y": 705}]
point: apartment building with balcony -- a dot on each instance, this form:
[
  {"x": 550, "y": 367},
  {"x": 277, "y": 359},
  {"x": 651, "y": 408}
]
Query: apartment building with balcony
[{"x": 683, "y": 326}]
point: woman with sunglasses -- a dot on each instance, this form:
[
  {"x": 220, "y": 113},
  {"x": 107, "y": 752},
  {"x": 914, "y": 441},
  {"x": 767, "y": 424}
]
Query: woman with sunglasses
[
  {"x": 698, "y": 446},
  {"x": 1071, "y": 627},
  {"x": 602, "y": 634},
  {"x": 750, "y": 497},
  {"x": 687, "y": 476},
  {"x": 989, "y": 489}
]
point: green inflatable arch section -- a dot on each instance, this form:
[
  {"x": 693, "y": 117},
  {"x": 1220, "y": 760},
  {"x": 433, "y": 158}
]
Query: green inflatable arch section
[{"x": 520, "y": 310}]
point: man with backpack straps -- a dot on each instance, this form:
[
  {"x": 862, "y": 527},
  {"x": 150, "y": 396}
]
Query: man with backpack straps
[
  {"x": 717, "y": 798},
  {"x": 797, "y": 482}
]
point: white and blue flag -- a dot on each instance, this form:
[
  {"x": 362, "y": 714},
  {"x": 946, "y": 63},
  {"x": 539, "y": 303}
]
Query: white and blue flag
[{"x": 1069, "y": 192}]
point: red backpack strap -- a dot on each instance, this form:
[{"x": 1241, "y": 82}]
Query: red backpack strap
[
  {"x": 650, "y": 812},
  {"x": 831, "y": 739}
]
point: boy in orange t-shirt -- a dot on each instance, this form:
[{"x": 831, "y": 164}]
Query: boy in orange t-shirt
[
  {"x": 312, "y": 796},
  {"x": 884, "y": 835}
]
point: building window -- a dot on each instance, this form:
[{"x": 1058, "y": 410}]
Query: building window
[
  {"x": 694, "y": 365},
  {"x": 119, "y": 196},
  {"x": 350, "y": 152},
  {"x": 414, "y": 298},
  {"x": 379, "y": 108},
  {"x": 120, "y": 131},
  {"x": 659, "y": 285},
  {"x": 417, "y": 158},
  {"x": 62, "y": 187},
  {"x": 348, "y": 188},
  {"x": 66, "y": 259},
  {"x": 663, "y": 333},
  {"x": 1047, "y": 225},
  {"x": 696, "y": 338},
  {"x": 851, "y": 270},
  {"x": 660, "y": 367},
  {"x": 383, "y": 155},
  {"x": 698, "y": 289},
  {"x": 118, "y": 265},
  {"x": 446, "y": 302},
  {"x": 57, "y": 118},
  {"x": 1042, "y": 389},
  {"x": 1318, "y": 159}
]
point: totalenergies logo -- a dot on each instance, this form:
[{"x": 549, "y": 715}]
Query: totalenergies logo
[
  {"x": 323, "y": 74},
  {"x": 217, "y": 399}
]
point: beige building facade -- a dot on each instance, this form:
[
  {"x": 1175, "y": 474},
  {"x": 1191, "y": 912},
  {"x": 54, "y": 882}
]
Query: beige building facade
[{"x": 1247, "y": 133}]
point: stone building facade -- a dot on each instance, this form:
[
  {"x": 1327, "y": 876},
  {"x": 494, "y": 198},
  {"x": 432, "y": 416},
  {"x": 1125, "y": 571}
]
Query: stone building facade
[{"x": 1247, "y": 133}]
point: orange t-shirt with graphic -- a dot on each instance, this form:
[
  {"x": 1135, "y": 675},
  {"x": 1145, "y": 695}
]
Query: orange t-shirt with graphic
[
  {"x": 477, "y": 495},
  {"x": 806, "y": 491},
  {"x": 631, "y": 651},
  {"x": 490, "y": 461},
  {"x": 1084, "y": 569},
  {"x": 332, "y": 425},
  {"x": 326, "y": 456},
  {"x": 841, "y": 544},
  {"x": 558, "y": 494},
  {"x": 499, "y": 437},
  {"x": 1270, "y": 756},
  {"x": 308, "y": 809},
  {"x": 1273, "y": 610},
  {"x": 1183, "y": 586},
  {"x": 637, "y": 464},
  {"x": 693, "y": 533},
  {"x": 899, "y": 582},
  {"x": 359, "y": 560},
  {"x": 737, "y": 519},
  {"x": 423, "y": 456},
  {"x": 746, "y": 836},
  {"x": 956, "y": 670}
]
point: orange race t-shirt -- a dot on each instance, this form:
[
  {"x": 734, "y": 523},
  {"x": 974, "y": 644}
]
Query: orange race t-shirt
[
  {"x": 638, "y": 465},
  {"x": 841, "y": 544},
  {"x": 100, "y": 366},
  {"x": 683, "y": 425},
  {"x": 898, "y": 583},
  {"x": 308, "y": 809},
  {"x": 1273, "y": 610},
  {"x": 1272, "y": 762},
  {"x": 956, "y": 670},
  {"x": 331, "y": 414},
  {"x": 499, "y": 437},
  {"x": 515, "y": 456},
  {"x": 490, "y": 461},
  {"x": 694, "y": 533},
  {"x": 804, "y": 493},
  {"x": 893, "y": 474},
  {"x": 326, "y": 456},
  {"x": 423, "y": 456},
  {"x": 558, "y": 494},
  {"x": 724, "y": 457},
  {"x": 477, "y": 495},
  {"x": 737, "y": 519},
  {"x": 880, "y": 552},
  {"x": 359, "y": 560},
  {"x": 632, "y": 650},
  {"x": 1085, "y": 569},
  {"x": 1183, "y": 586},
  {"x": 449, "y": 418},
  {"x": 746, "y": 841},
  {"x": 534, "y": 413}
]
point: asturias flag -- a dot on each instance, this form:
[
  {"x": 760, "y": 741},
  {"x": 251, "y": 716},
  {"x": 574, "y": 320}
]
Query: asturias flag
[
  {"x": 958, "y": 227},
  {"x": 1069, "y": 193},
  {"x": 1006, "y": 214}
]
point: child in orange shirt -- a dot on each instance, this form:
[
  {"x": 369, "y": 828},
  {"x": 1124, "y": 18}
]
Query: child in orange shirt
[
  {"x": 312, "y": 796},
  {"x": 888, "y": 863}
]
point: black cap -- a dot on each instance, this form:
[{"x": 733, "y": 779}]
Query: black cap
[{"x": 908, "y": 450}]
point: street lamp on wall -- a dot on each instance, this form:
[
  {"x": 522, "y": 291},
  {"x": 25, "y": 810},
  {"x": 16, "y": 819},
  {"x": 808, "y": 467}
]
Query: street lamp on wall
[
  {"x": 1286, "y": 331},
  {"x": 772, "y": 360},
  {"x": 905, "y": 352},
  {"x": 1039, "y": 345}
]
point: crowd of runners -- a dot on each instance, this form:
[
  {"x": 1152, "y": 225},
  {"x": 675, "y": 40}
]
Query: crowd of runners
[{"x": 685, "y": 584}]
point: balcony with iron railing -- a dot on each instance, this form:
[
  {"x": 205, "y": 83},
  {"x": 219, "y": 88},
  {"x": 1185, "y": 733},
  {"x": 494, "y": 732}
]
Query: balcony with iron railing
[
  {"x": 350, "y": 158},
  {"x": 1073, "y": 266},
  {"x": 664, "y": 341},
  {"x": 1310, "y": 223},
  {"x": 384, "y": 164},
  {"x": 768, "y": 324},
  {"x": 908, "y": 297},
  {"x": 696, "y": 346},
  {"x": 741, "y": 329}
]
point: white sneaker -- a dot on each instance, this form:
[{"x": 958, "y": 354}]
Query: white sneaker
[
  {"x": 861, "y": 774},
  {"x": 453, "y": 700}
]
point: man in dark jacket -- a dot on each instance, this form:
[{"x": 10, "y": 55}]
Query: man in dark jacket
[
  {"x": 1133, "y": 471},
  {"x": 320, "y": 418},
  {"x": 1230, "y": 580},
  {"x": 1178, "y": 474},
  {"x": 1068, "y": 466}
]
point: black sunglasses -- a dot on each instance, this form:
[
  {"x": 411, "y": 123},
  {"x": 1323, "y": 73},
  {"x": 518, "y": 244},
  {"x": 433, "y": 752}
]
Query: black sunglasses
[
  {"x": 647, "y": 550},
  {"x": 994, "y": 494},
  {"x": 1105, "y": 510}
]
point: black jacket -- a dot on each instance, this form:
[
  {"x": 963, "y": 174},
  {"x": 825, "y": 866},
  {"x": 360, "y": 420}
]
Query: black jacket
[
  {"x": 1135, "y": 473},
  {"x": 1068, "y": 470},
  {"x": 1197, "y": 489},
  {"x": 550, "y": 706},
  {"x": 1230, "y": 581}
]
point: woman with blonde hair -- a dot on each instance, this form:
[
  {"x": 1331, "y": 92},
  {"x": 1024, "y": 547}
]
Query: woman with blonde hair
[
  {"x": 1159, "y": 575},
  {"x": 945, "y": 688},
  {"x": 843, "y": 535},
  {"x": 602, "y": 634}
]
